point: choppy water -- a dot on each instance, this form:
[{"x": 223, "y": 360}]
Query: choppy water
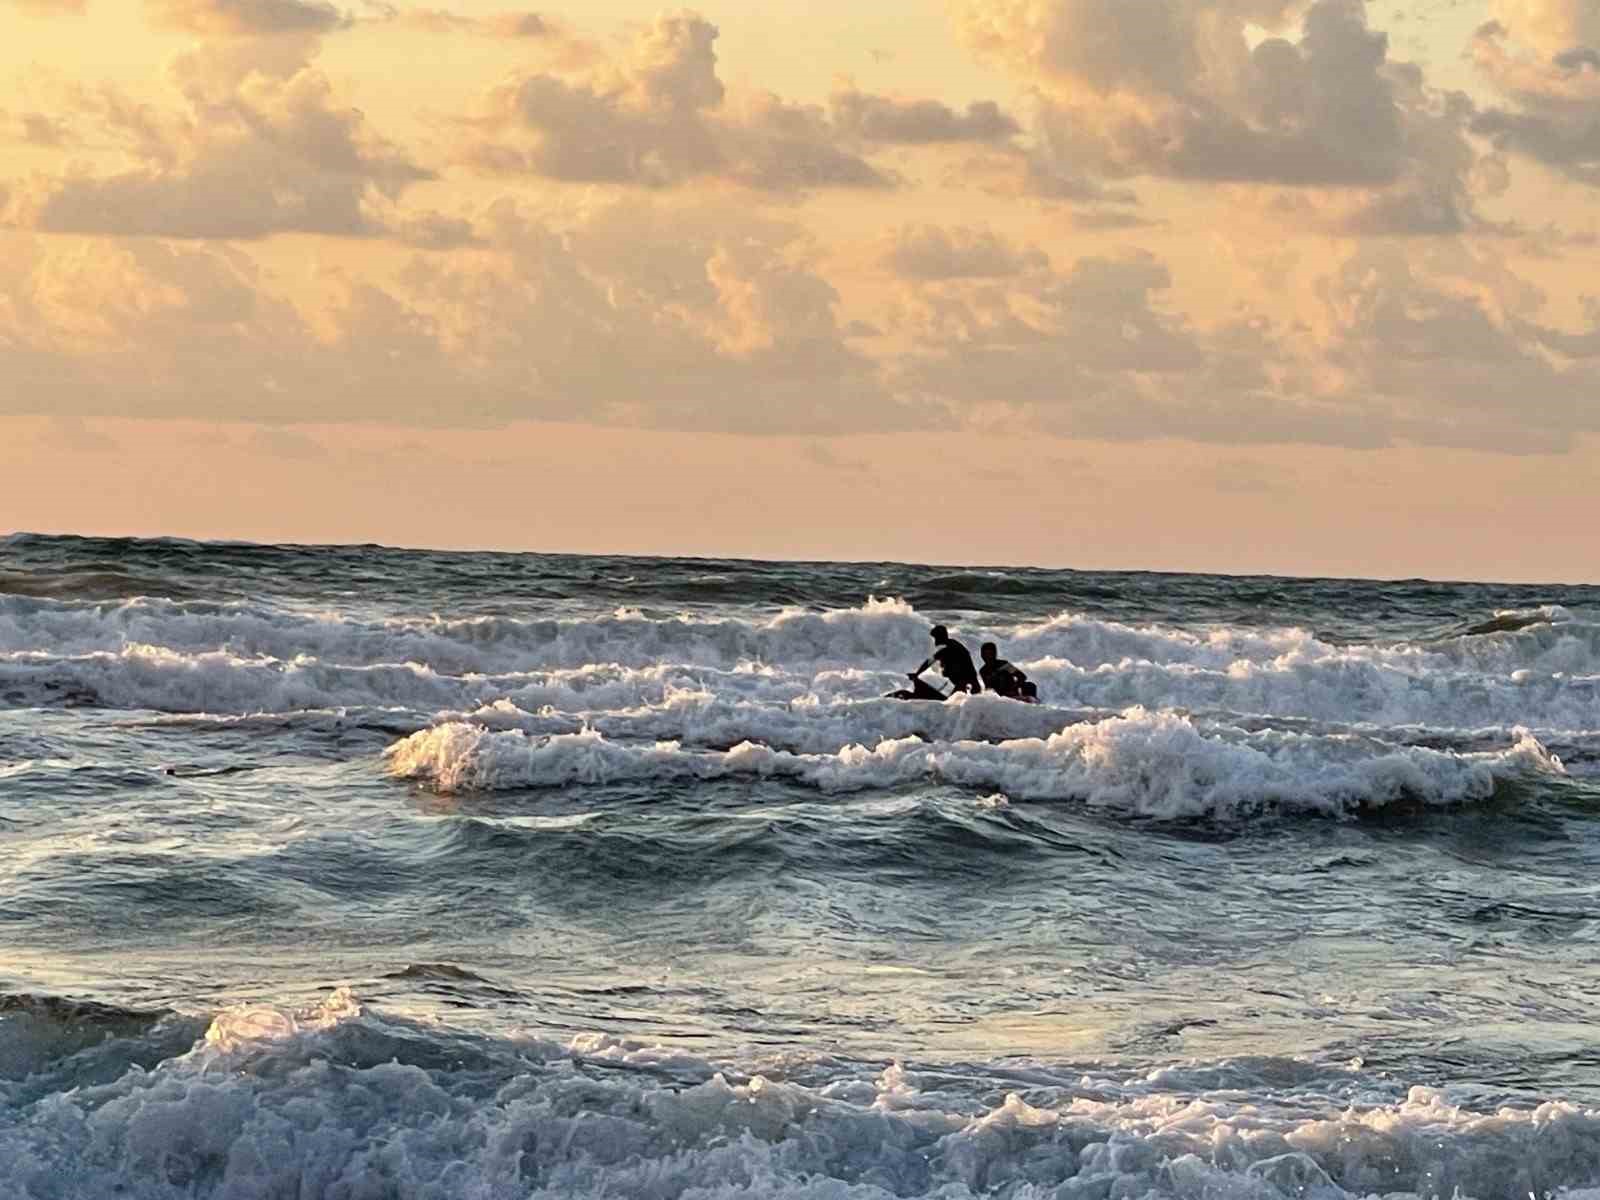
[{"x": 357, "y": 873}]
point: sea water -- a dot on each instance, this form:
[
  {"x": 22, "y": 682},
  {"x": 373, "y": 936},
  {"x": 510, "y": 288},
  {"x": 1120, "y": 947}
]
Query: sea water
[{"x": 357, "y": 873}]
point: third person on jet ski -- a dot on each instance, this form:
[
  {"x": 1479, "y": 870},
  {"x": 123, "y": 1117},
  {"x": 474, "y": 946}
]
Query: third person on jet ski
[{"x": 955, "y": 662}]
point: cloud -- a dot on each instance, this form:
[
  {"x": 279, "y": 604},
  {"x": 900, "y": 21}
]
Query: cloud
[
  {"x": 148, "y": 330},
  {"x": 1036, "y": 167},
  {"x": 1173, "y": 86},
  {"x": 931, "y": 252},
  {"x": 1580, "y": 346},
  {"x": 635, "y": 315},
  {"x": 40, "y": 129},
  {"x": 1552, "y": 27},
  {"x": 1554, "y": 115},
  {"x": 917, "y": 122},
  {"x": 35, "y": 129},
  {"x": 244, "y": 18},
  {"x": 660, "y": 117},
  {"x": 1432, "y": 345},
  {"x": 1111, "y": 218},
  {"x": 1440, "y": 343},
  {"x": 431, "y": 230},
  {"x": 524, "y": 24},
  {"x": 264, "y": 147},
  {"x": 1192, "y": 90},
  {"x": 1091, "y": 352},
  {"x": 671, "y": 315}
]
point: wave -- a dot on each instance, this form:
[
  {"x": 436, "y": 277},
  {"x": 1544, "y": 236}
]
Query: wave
[
  {"x": 246, "y": 658},
  {"x": 880, "y": 631},
  {"x": 53, "y": 1043},
  {"x": 1143, "y": 764},
  {"x": 339, "y": 1100},
  {"x": 88, "y": 583},
  {"x": 1513, "y": 620}
]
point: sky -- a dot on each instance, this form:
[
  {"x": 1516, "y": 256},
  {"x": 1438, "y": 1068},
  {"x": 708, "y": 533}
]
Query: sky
[{"x": 1290, "y": 286}]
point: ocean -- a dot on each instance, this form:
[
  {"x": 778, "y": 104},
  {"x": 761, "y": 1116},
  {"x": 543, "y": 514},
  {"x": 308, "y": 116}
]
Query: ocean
[{"x": 354, "y": 873}]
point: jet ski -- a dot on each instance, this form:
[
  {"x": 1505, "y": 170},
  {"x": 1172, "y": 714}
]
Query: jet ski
[{"x": 920, "y": 689}]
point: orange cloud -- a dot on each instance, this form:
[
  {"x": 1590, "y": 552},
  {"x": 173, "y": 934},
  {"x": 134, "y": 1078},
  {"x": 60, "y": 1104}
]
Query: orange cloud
[
  {"x": 660, "y": 116},
  {"x": 1188, "y": 90},
  {"x": 263, "y": 147}
]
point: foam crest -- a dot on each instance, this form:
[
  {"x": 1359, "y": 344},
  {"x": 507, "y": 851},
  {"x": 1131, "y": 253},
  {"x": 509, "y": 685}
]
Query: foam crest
[
  {"x": 794, "y": 709},
  {"x": 1539, "y": 669},
  {"x": 802, "y": 723},
  {"x": 417, "y": 1114},
  {"x": 875, "y": 632},
  {"x": 1149, "y": 764},
  {"x": 248, "y": 1026}
]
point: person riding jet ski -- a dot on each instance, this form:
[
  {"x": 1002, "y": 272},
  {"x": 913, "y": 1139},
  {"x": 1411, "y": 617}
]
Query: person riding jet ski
[
  {"x": 1004, "y": 679},
  {"x": 955, "y": 664}
]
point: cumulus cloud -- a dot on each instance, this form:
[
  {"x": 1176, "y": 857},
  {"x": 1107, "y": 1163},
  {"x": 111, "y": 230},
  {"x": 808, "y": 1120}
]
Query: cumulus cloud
[
  {"x": 35, "y": 129},
  {"x": 1093, "y": 351},
  {"x": 41, "y": 129},
  {"x": 1189, "y": 89},
  {"x": 669, "y": 318},
  {"x": 1440, "y": 344},
  {"x": 149, "y": 329},
  {"x": 661, "y": 304},
  {"x": 660, "y": 116},
  {"x": 932, "y": 252},
  {"x": 707, "y": 318},
  {"x": 1173, "y": 86},
  {"x": 1554, "y": 112},
  {"x": 918, "y": 122},
  {"x": 263, "y": 146},
  {"x": 1432, "y": 347},
  {"x": 672, "y": 317}
]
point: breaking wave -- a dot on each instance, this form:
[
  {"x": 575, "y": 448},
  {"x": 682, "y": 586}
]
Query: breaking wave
[
  {"x": 1142, "y": 764},
  {"x": 338, "y": 1100},
  {"x": 1540, "y": 669}
]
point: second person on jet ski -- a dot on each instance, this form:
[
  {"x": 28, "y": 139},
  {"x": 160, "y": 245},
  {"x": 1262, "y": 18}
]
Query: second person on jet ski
[{"x": 1003, "y": 678}]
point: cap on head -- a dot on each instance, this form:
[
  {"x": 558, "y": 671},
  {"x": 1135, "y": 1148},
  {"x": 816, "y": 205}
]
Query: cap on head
[{"x": 938, "y": 633}]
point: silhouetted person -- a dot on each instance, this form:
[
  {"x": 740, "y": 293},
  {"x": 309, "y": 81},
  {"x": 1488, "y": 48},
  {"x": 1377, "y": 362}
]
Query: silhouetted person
[
  {"x": 955, "y": 662},
  {"x": 1003, "y": 679}
]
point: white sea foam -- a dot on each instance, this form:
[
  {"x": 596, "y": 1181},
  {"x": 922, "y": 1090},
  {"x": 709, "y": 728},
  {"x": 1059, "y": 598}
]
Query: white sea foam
[
  {"x": 216, "y": 658},
  {"x": 1148, "y": 764},
  {"x": 283, "y": 1103},
  {"x": 878, "y": 631}
]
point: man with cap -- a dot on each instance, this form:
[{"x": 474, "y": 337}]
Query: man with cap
[{"x": 955, "y": 662}]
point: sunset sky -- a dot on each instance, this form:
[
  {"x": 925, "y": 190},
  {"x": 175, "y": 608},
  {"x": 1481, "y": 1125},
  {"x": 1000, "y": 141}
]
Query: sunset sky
[{"x": 1241, "y": 285}]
